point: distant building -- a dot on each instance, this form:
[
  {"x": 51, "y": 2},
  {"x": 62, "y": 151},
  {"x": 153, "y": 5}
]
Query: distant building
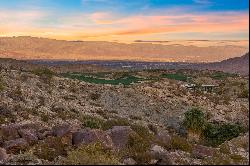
[{"x": 203, "y": 87}]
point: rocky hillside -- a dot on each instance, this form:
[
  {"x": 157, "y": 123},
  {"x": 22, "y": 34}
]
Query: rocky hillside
[
  {"x": 233, "y": 65},
  {"x": 49, "y": 119},
  {"x": 40, "y": 48}
]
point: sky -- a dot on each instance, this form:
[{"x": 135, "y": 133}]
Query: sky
[{"x": 126, "y": 20}]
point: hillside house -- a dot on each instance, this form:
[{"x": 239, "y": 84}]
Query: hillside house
[{"x": 203, "y": 87}]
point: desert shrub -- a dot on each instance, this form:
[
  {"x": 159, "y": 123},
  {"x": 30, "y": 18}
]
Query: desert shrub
[
  {"x": 225, "y": 159},
  {"x": 102, "y": 113},
  {"x": 24, "y": 158},
  {"x": 24, "y": 114},
  {"x": 244, "y": 93},
  {"x": 180, "y": 143},
  {"x": 224, "y": 148},
  {"x": 17, "y": 94},
  {"x": 91, "y": 122},
  {"x": 45, "y": 117},
  {"x": 24, "y": 77},
  {"x": 50, "y": 148},
  {"x": 45, "y": 74},
  {"x": 2, "y": 120},
  {"x": 115, "y": 122},
  {"x": 137, "y": 148},
  {"x": 218, "y": 159},
  {"x": 31, "y": 111},
  {"x": 153, "y": 128},
  {"x": 142, "y": 132},
  {"x": 226, "y": 99},
  {"x": 7, "y": 116},
  {"x": 135, "y": 117},
  {"x": 93, "y": 154},
  {"x": 64, "y": 115},
  {"x": 1, "y": 85},
  {"x": 195, "y": 120},
  {"x": 238, "y": 158},
  {"x": 95, "y": 96},
  {"x": 216, "y": 134}
]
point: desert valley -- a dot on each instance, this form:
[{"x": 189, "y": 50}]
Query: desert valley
[
  {"x": 124, "y": 82},
  {"x": 68, "y": 112}
]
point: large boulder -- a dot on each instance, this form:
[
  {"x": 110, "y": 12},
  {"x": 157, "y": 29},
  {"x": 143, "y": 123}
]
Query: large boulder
[
  {"x": 120, "y": 135},
  {"x": 29, "y": 135},
  {"x": 200, "y": 151},
  {"x": 42, "y": 134},
  {"x": 162, "y": 138},
  {"x": 3, "y": 154},
  {"x": 129, "y": 161},
  {"x": 88, "y": 136},
  {"x": 62, "y": 130},
  {"x": 14, "y": 146},
  {"x": 160, "y": 155},
  {"x": 11, "y": 132},
  {"x": 8, "y": 133},
  {"x": 33, "y": 126}
]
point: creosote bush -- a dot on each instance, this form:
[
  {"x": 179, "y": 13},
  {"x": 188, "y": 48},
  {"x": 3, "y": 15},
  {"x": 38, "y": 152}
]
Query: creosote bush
[
  {"x": 93, "y": 154},
  {"x": 195, "y": 123},
  {"x": 244, "y": 93},
  {"x": 180, "y": 143},
  {"x": 115, "y": 122},
  {"x": 216, "y": 134},
  {"x": 45, "y": 74},
  {"x": 212, "y": 134},
  {"x": 91, "y": 122},
  {"x": 137, "y": 148},
  {"x": 50, "y": 148},
  {"x": 142, "y": 132}
]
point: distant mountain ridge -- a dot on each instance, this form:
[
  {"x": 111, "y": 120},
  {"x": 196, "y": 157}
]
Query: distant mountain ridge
[
  {"x": 232, "y": 65},
  {"x": 42, "y": 48}
]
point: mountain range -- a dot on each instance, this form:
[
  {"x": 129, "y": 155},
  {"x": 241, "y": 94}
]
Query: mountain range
[
  {"x": 233, "y": 65},
  {"x": 42, "y": 48}
]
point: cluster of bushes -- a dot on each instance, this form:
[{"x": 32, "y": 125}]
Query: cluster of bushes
[
  {"x": 212, "y": 134},
  {"x": 98, "y": 123},
  {"x": 137, "y": 148},
  {"x": 216, "y": 134},
  {"x": 45, "y": 74},
  {"x": 138, "y": 143},
  {"x": 93, "y": 154},
  {"x": 221, "y": 75},
  {"x": 50, "y": 148}
]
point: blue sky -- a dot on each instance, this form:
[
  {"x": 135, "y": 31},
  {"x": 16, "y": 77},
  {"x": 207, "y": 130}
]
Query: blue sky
[
  {"x": 116, "y": 19},
  {"x": 128, "y": 5}
]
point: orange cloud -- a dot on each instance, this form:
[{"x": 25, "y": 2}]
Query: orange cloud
[{"x": 109, "y": 26}]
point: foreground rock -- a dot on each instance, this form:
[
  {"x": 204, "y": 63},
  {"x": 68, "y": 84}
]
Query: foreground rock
[
  {"x": 29, "y": 135},
  {"x": 120, "y": 135},
  {"x": 200, "y": 151},
  {"x": 88, "y": 136},
  {"x": 14, "y": 146},
  {"x": 3, "y": 154},
  {"x": 9, "y": 133},
  {"x": 160, "y": 155}
]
